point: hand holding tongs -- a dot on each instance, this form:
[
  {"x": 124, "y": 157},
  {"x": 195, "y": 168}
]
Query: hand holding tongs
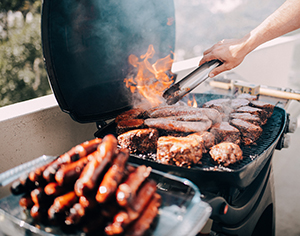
[{"x": 189, "y": 82}]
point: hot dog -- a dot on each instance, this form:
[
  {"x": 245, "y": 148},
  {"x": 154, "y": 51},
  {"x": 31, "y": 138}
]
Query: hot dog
[
  {"x": 90, "y": 178},
  {"x": 72, "y": 155},
  {"x": 128, "y": 189},
  {"x": 113, "y": 177}
]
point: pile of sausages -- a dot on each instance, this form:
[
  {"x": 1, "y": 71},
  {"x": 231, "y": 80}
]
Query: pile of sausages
[{"x": 91, "y": 187}]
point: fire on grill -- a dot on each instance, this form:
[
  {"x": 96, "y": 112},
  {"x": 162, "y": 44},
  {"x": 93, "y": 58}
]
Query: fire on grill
[{"x": 180, "y": 134}]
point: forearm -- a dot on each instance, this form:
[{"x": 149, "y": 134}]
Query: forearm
[{"x": 284, "y": 20}]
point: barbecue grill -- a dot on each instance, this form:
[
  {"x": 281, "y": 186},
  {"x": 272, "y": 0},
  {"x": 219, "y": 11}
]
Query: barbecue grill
[{"x": 86, "y": 45}]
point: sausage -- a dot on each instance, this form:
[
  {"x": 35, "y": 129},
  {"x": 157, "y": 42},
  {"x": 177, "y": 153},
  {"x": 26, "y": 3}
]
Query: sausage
[
  {"x": 88, "y": 202},
  {"x": 38, "y": 213},
  {"x": 37, "y": 174},
  {"x": 26, "y": 201},
  {"x": 68, "y": 174},
  {"x": 108, "y": 148},
  {"x": 61, "y": 204},
  {"x": 54, "y": 189},
  {"x": 75, "y": 215},
  {"x": 144, "y": 196},
  {"x": 139, "y": 203},
  {"x": 113, "y": 177},
  {"x": 143, "y": 223},
  {"x": 22, "y": 185},
  {"x": 90, "y": 176},
  {"x": 72, "y": 155},
  {"x": 39, "y": 197},
  {"x": 120, "y": 221},
  {"x": 128, "y": 189}
]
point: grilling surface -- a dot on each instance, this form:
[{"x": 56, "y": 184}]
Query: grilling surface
[{"x": 271, "y": 130}]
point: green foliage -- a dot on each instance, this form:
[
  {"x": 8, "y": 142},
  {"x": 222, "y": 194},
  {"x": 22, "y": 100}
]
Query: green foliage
[{"x": 22, "y": 72}]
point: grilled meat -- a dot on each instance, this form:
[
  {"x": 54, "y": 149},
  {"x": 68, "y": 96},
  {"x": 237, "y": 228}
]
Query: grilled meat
[
  {"x": 226, "y": 132},
  {"x": 254, "y": 111},
  {"x": 222, "y": 105},
  {"x": 226, "y": 153},
  {"x": 135, "y": 113},
  {"x": 180, "y": 125},
  {"x": 267, "y": 107},
  {"x": 249, "y": 132},
  {"x": 130, "y": 124},
  {"x": 246, "y": 117},
  {"x": 173, "y": 110},
  {"x": 180, "y": 151},
  {"x": 139, "y": 140},
  {"x": 239, "y": 102},
  {"x": 207, "y": 138}
]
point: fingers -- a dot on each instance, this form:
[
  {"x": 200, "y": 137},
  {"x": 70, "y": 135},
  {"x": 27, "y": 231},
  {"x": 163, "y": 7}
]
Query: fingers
[
  {"x": 206, "y": 58},
  {"x": 218, "y": 70}
]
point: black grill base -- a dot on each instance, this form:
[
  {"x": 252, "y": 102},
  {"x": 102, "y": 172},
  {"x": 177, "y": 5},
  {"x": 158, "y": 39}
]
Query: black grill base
[{"x": 254, "y": 218}]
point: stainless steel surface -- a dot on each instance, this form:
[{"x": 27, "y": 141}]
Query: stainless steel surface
[{"x": 189, "y": 82}]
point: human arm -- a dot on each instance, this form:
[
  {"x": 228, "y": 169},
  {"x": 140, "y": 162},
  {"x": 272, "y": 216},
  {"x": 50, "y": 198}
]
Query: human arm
[{"x": 233, "y": 51}]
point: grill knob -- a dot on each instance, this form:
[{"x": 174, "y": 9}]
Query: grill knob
[
  {"x": 293, "y": 125},
  {"x": 286, "y": 141}
]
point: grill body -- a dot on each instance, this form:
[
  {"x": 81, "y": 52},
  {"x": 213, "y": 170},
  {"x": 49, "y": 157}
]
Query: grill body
[{"x": 241, "y": 195}]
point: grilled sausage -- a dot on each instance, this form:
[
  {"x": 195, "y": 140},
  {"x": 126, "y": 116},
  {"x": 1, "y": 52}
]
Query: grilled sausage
[
  {"x": 26, "y": 201},
  {"x": 54, "y": 189},
  {"x": 72, "y": 155},
  {"x": 143, "y": 223},
  {"x": 61, "y": 204},
  {"x": 68, "y": 174},
  {"x": 90, "y": 176},
  {"x": 128, "y": 189},
  {"x": 113, "y": 177},
  {"x": 22, "y": 185}
]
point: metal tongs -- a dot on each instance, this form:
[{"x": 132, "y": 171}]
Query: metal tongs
[{"x": 189, "y": 82}]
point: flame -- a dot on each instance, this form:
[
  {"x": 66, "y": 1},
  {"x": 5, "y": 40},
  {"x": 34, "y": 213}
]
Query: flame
[
  {"x": 193, "y": 102},
  {"x": 150, "y": 80}
]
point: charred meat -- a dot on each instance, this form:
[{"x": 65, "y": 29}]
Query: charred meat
[
  {"x": 130, "y": 124},
  {"x": 267, "y": 107},
  {"x": 239, "y": 102},
  {"x": 173, "y": 110},
  {"x": 226, "y": 132},
  {"x": 226, "y": 153},
  {"x": 206, "y": 138},
  {"x": 249, "y": 132},
  {"x": 134, "y": 113},
  {"x": 246, "y": 117},
  {"x": 179, "y": 151},
  {"x": 139, "y": 140},
  {"x": 179, "y": 125},
  {"x": 254, "y": 111}
]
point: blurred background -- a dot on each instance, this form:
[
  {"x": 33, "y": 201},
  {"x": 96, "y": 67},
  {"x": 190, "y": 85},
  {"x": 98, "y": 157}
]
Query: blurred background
[{"x": 199, "y": 25}]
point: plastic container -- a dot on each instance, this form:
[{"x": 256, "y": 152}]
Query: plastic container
[{"x": 182, "y": 211}]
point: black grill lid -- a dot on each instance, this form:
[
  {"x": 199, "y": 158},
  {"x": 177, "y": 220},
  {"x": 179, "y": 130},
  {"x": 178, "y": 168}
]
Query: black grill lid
[{"x": 86, "y": 44}]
